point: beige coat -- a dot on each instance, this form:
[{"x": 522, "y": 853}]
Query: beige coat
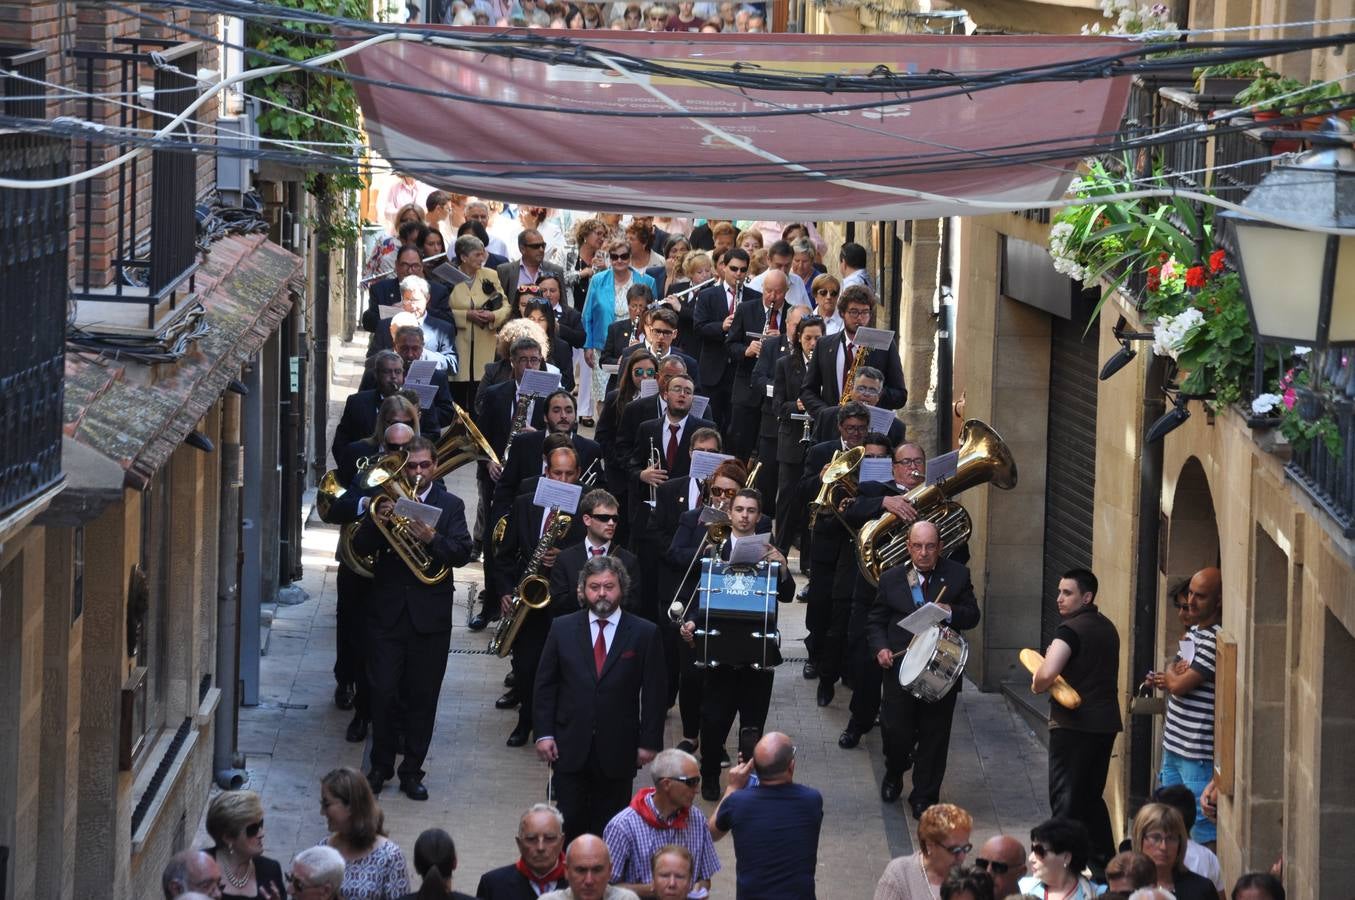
[{"x": 475, "y": 344}]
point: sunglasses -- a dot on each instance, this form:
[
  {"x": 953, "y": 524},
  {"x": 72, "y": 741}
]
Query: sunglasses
[
  {"x": 253, "y": 830},
  {"x": 827, "y": 292},
  {"x": 644, "y": 373},
  {"x": 604, "y": 517},
  {"x": 723, "y": 492},
  {"x": 992, "y": 865},
  {"x": 737, "y": 271},
  {"x": 960, "y": 850},
  {"x": 1040, "y": 850},
  {"x": 297, "y": 884},
  {"x": 618, "y": 256},
  {"x": 690, "y": 781},
  {"x": 540, "y": 246}
]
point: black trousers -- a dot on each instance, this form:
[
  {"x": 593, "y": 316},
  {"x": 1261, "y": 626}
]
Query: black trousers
[
  {"x": 916, "y": 735},
  {"x": 767, "y": 481},
  {"x": 691, "y": 691},
  {"x": 866, "y": 672},
  {"x": 527, "y": 647},
  {"x": 1078, "y": 762},
  {"x": 350, "y": 657},
  {"x": 742, "y": 433},
  {"x": 405, "y": 666},
  {"x": 721, "y": 401},
  {"x": 589, "y": 798},
  {"x": 743, "y": 691},
  {"x": 833, "y": 658},
  {"x": 819, "y": 611},
  {"x": 790, "y": 511}
]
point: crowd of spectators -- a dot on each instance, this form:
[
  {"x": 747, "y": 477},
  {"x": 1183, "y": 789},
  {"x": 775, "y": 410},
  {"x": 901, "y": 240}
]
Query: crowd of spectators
[{"x": 727, "y": 16}]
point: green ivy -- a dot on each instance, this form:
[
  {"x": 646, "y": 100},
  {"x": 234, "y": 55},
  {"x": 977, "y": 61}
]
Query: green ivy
[{"x": 327, "y": 108}]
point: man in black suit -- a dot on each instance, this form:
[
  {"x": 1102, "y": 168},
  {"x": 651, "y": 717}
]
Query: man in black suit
[
  {"x": 917, "y": 733},
  {"x": 409, "y": 348},
  {"x": 762, "y": 384},
  {"x": 642, "y": 409},
  {"x": 828, "y": 579},
  {"x": 540, "y": 868},
  {"x": 600, "y": 513},
  {"x": 439, "y": 335},
  {"x": 834, "y": 354},
  {"x": 671, "y": 436},
  {"x": 599, "y": 699},
  {"x": 714, "y": 318},
  {"x": 527, "y": 525},
  {"x": 386, "y": 292},
  {"x": 358, "y": 421},
  {"x": 766, "y": 316},
  {"x": 525, "y": 459},
  {"x": 867, "y": 386},
  {"x": 410, "y": 626},
  {"x": 660, "y": 329},
  {"x": 530, "y": 265}
]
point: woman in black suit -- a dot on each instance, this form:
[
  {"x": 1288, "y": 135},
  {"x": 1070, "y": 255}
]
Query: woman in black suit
[
  {"x": 618, "y": 469},
  {"x": 790, "y": 451}
]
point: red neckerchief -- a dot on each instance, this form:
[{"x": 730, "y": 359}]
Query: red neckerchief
[
  {"x": 551, "y": 879},
  {"x": 651, "y": 818}
]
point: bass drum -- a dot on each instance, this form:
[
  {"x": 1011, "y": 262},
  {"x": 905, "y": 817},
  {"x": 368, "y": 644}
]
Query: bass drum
[
  {"x": 933, "y": 663},
  {"x": 736, "y": 616}
]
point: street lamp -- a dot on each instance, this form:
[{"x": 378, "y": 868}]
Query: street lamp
[{"x": 1299, "y": 285}]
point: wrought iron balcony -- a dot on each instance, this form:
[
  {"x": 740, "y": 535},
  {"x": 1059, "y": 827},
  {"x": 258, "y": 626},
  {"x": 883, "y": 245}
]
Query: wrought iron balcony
[{"x": 1327, "y": 478}]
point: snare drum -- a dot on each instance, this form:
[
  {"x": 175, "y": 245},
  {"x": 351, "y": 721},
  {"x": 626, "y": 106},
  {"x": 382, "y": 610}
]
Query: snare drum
[
  {"x": 736, "y": 615},
  {"x": 934, "y": 661}
]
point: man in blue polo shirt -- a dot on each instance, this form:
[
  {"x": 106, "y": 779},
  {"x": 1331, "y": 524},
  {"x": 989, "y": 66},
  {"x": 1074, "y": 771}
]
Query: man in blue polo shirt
[{"x": 775, "y": 824}]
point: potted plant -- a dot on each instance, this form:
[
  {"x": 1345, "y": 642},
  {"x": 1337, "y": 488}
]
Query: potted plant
[{"x": 1226, "y": 80}]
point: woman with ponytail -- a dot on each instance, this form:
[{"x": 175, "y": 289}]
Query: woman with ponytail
[{"x": 435, "y": 860}]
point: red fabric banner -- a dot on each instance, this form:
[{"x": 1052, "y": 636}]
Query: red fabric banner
[{"x": 878, "y": 163}]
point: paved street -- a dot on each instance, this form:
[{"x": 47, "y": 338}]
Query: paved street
[{"x": 479, "y": 787}]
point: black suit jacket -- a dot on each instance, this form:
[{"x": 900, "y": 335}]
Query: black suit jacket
[
  {"x": 764, "y": 376},
  {"x": 569, "y": 326},
  {"x": 521, "y": 539},
  {"x": 395, "y": 587},
  {"x": 687, "y": 541},
  {"x": 751, "y": 316},
  {"x": 828, "y": 531},
  {"x": 660, "y": 276},
  {"x": 564, "y": 576},
  {"x": 495, "y": 419},
  {"x": 619, "y": 337},
  {"x": 868, "y": 505},
  {"x": 790, "y": 375},
  {"x": 657, "y": 429},
  {"x": 688, "y": 340},
  {"x": 612, "y": 714},
  {"x": 712, "y": 308},
  {"x": 507, "y": 883},
  {"x": 508, "y": 276},
  {"x": 825, "y": 426},
  {"x": 436, "y": 417},
  {"x": 357, "y": 422},
  {"x": 386, "y": 292},
  {"x": 672, "y": 499},
  {"x": 820, "y": 387},
  {"x": 526, "y": 462},
  {"x": 439, "y": 336},
  {"x": 641, "y": 409},
  {"x": 895, "y": 600}
]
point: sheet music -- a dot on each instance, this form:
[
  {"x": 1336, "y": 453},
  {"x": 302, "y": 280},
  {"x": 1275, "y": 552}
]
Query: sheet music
[
  {"x": 922, "y": 618},
  {"x": 875, "y": 469},
  {"x": 561, "y": 494},
  {"x": 535, "y": 381},
  {"x": 873, "y": 338},
  {"x": 412, "y": 509},
  {"x": 649, "y": 387},
  {"x": 611, "y": 368},
  {"x": 704, "y": 463},
  {"x": 880, "y": 419},
  {"x": 421, "y": 371},
  {"x": 451, "y": 274},
  {"x": 388, "y": 312},
  {"x": 425, "y": 392},
  {"x": 699, "y": 405},
  {"x": 1187, "y": 651},
  {"x": 749, "y": 550},
  {"x": 942, "y": 467}
]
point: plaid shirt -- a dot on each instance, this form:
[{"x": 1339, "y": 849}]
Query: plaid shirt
[{"x": 632, "y": 842}]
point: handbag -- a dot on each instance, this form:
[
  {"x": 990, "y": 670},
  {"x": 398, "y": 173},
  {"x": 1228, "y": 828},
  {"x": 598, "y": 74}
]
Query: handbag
[{"x": 1146, "y": 703}]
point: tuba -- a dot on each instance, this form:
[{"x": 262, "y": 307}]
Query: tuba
[
  {"x": 839, "y": 482},
  {"x": 461, "y": 442},
  {"x": 533, "y": 591},
  {"x": 327, "y": 494},
  {"x": 883, "y": 542},
  {"x": 385, "y": 475}
]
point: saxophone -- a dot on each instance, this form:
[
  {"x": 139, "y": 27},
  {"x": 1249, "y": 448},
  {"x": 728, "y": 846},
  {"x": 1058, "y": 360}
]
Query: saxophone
[
  {"x": 847, "y": 382},
  {"x": 524, "y": 403},
  {"x": 533, "y": 591}
]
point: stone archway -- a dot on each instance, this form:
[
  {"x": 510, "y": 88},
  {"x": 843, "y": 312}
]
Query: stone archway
[{"x": 1193, "y": 532}]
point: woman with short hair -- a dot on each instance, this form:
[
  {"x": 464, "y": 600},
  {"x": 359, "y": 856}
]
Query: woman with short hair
[
  {"x": 235, "y": 824},
  {"x": 374, "y": 866},
  {"x": 1159, "y": 833},
  {"x": 943, "y": 843},
  {"x": 1058, "y": 854}
]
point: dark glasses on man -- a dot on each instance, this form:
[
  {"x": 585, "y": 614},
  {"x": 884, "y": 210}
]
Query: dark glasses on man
[
  {"x": 690, "y": 781},
  {"x": 737, "y": 270},
  {"x": 539, "y": 246},
  {"x": 604, "y": 517},
  {"x": 992, "y": 865}
]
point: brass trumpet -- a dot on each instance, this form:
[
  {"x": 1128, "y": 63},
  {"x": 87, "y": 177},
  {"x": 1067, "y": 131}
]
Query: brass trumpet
[{"x": 386, "y": 476}]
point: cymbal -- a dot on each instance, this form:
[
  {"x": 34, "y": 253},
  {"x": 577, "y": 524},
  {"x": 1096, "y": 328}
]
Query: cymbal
[{"x": 1063, "y": 693}]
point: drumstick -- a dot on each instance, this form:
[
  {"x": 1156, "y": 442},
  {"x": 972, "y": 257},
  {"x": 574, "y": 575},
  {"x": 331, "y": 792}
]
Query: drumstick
[{"x": 939, "y": 594}]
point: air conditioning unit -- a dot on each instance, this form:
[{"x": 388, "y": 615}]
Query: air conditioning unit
[{"x": 234, "y": 172}]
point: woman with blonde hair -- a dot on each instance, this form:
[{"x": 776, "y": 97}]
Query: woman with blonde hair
[
  {"x": 374, "y": 866},
  {"x": 943, "y": 843},
  {"x": 235, "y": 823},
  {"x": 381, "y": 262},
  {"x": 1159, "y": 833}
]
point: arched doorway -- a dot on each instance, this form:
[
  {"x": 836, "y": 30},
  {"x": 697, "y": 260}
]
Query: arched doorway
[{"x": 1193, "y": 532}]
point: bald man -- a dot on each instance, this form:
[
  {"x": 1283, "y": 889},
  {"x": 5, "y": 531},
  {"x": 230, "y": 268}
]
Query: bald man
[
  {"x": 588, "y": 867},
  {"x": 191, "y": 872},
  {"x": 1188, "y": 734},
  {"x": 1004, "y": 858},
  {"x": 765, "y": 316}
]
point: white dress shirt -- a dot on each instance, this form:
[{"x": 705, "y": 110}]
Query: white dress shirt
[
  {"x": 608, "y": 633},
  {"x": 796, "y": 292}
]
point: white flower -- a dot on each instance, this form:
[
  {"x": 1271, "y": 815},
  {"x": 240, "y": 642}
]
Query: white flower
[
  {"x": 1302, "y": 351},
  {"x": 1264, "y": 403},
  {"x": 1171, "y": 333},
  {"x": 1065, "y": 261}
]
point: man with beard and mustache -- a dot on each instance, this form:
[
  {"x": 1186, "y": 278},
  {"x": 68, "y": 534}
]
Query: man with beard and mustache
[{"x": 600, "y": 699}]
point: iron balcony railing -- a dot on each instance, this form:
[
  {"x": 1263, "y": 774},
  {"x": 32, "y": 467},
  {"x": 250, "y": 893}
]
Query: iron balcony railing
[{"x": 1330, "y": 478}]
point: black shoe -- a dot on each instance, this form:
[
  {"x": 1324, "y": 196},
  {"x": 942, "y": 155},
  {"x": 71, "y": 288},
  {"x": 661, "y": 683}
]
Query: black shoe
[
  {"x": 376, "y": 781},
  {"x": 357, "y": 730},
  {"x": 478, "y": 622},
  {"x": 810, "y": 671},
  {"x": 414, "y": 790},
  {"x": 586, "y": 422},
  {"x": 475, "y": 550},
  {"x": 918, "y": 807},
  {"x": 803, "y": 593},
  {"x": 343, "y": 695},
  {"x": 724, "y": 758},
  {"x": 688, "y": 746},
  {"x": 509, "y": 700},
  {"x": 825, "y": 695},
  {"x": 849, "y": 738},
  {"x": 891, "y": 787},
  {"x": 710, "y": 790},
  {"x": 510, "y": 679},
  {"x": 519, "y": 736}
]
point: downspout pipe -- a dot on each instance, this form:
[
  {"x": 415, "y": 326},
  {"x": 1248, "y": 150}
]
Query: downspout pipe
[{"x": 228, "y": 763}]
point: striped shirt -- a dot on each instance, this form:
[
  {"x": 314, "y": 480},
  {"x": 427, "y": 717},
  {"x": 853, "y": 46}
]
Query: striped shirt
[
  {"x": 632, "y": 842},
  {"x": 1189, "y": 730}
]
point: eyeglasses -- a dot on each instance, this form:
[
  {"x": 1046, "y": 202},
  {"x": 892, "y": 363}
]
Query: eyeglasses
[
  {"x": 723, "y": 492},
  {"x": 411, "y": 464},
  {"x": 909, "y": 461},
  {"x": 664, "y": 332},
  {"x": 960, "y": 850},
  {"x": 992, "y": 865},
  {"x": 681, "y": 391},
  {"x": 618, "y": 256},
  {"x": 738, "y": 271},
  {"x": 1161, "y": 838},
  {"x": 826, "y": 292},
  {"x": 527, "y": 360},
  {"x": 537, "y": 246},
  {"x": 603, "y": 517},
  {"x": 857, "y": 312},
  {"x": 690, "y": 781},
  {"x": 297, "y": 884},
  {"x": 644, "y": 373},
  {"x": 853, "y": 429},
  {"x": 253, "y": 829}
]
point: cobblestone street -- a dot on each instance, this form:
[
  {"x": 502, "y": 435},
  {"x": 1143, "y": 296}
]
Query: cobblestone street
[{"x": 479, "y": 787}]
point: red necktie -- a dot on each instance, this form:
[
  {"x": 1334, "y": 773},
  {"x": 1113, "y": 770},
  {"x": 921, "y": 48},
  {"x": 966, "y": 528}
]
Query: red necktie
[
  {"x": 732, "y": 295},
  {"x": 848, "y": 354},
  {"x": 546, "y": 522},
  {"x": 771, "y": 318},
  {"x": 600, "y": 647},
  {"x": 596, "y": 551},
  {"x": 672, "y": 446}
]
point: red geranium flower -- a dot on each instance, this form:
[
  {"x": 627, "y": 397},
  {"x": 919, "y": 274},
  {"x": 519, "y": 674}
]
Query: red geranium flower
[
  {"x": 1216, "y": 262},
  {"x": 1195, "y": 277}
]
